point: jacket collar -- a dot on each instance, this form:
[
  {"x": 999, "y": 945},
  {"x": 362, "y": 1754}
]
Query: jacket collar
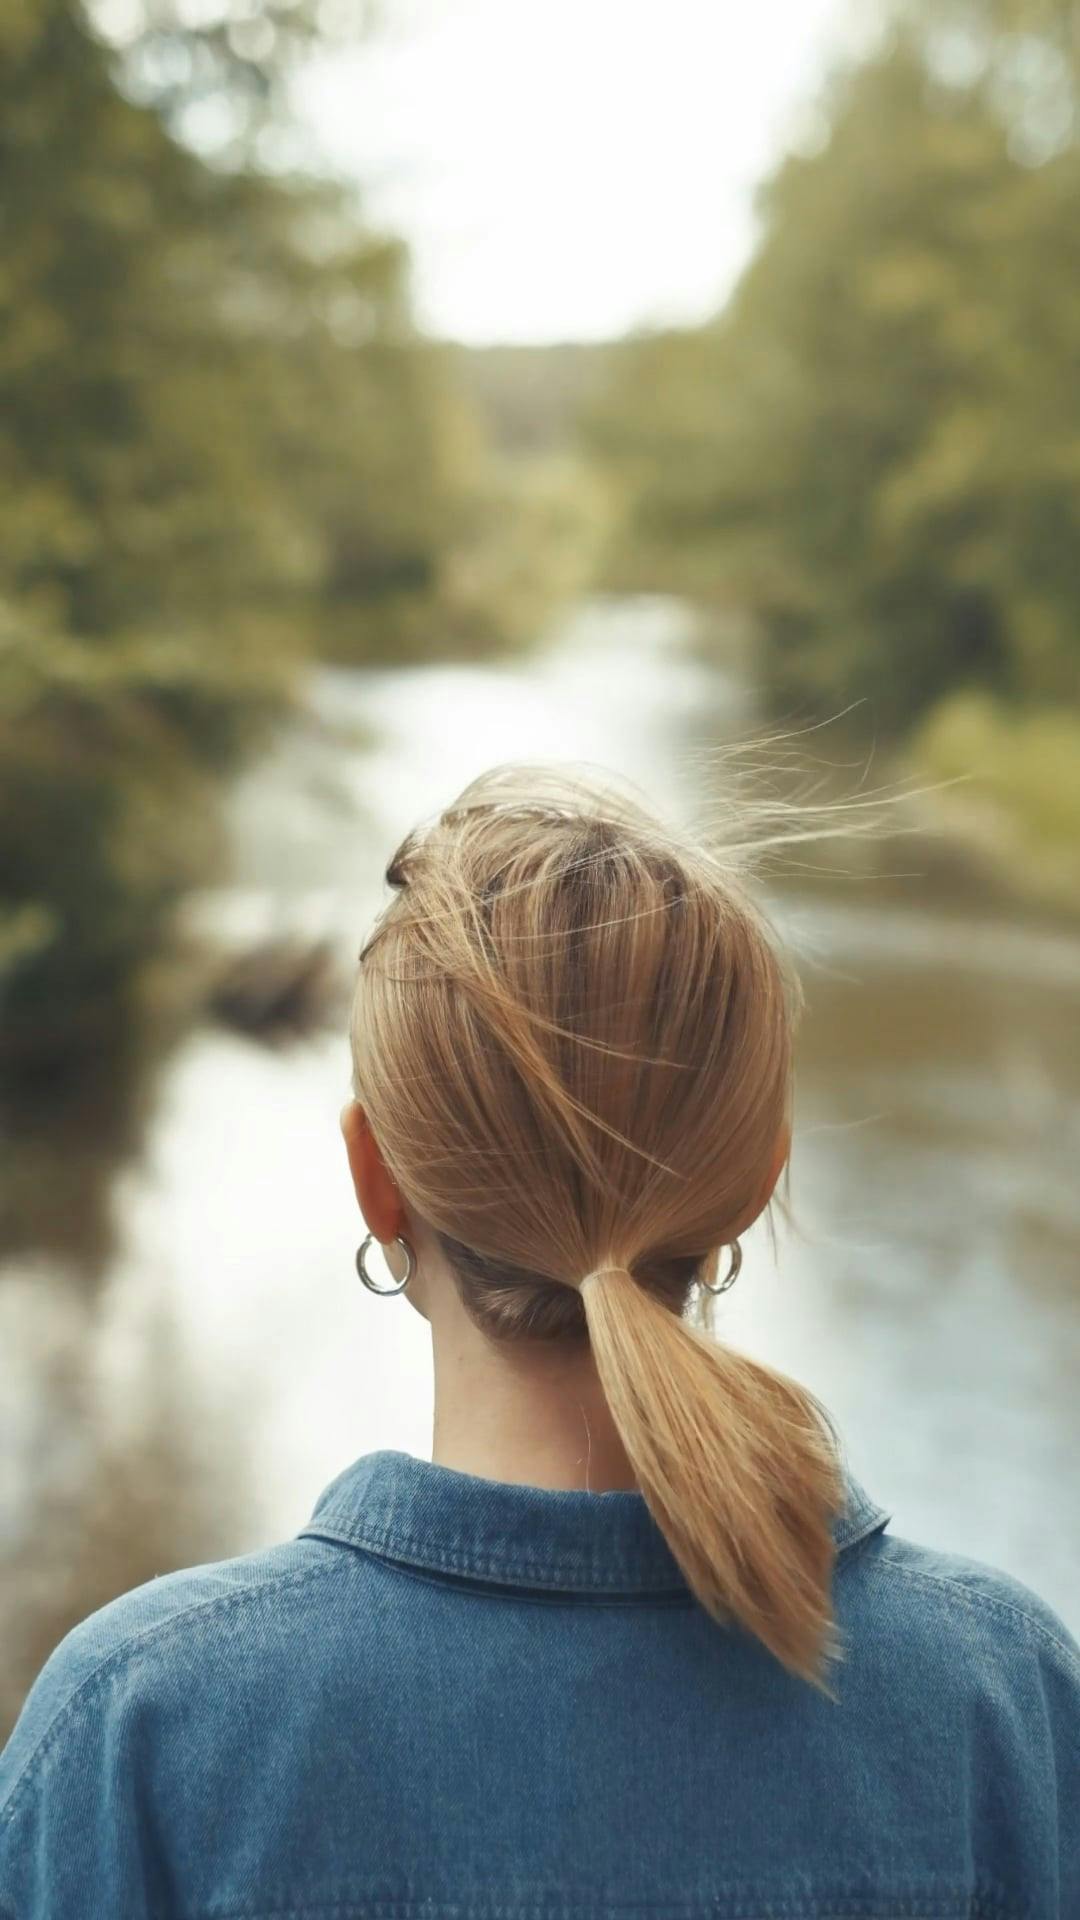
[{"x": 441, "y": 1521}]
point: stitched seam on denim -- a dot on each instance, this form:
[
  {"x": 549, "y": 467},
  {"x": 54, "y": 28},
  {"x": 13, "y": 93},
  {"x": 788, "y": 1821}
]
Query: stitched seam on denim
[
  {"x": 870, "y": 1520},
  {"x": 854, "y": 1554},
  {"x": 546, "y": 1573},
  {"x": 160, "y": 1630},
  {"x": 919, "y": 1886},
  {"x": 955, "y": 1588},
  {"x": 493, "y": 1567},
  {"x": 970, "y": 1907},
  {"x": 962, "y": 1906},
  {"x": 979, "y": 1900},
  {"x": 674, "y": 1599}
]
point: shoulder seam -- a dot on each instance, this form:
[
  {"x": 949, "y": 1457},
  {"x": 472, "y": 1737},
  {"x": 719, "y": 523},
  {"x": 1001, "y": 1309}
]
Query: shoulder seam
[
  {"x": 160, "y": 1629},
  {"x": 971, "y": 1598}
]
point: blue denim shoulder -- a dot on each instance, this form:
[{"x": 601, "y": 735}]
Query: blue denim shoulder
[{"x": 454, "y": 1699}]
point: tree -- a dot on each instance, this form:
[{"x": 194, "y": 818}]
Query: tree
[
  {"x": 224, "y": 447},
  {"x": 876, "y": 447}
]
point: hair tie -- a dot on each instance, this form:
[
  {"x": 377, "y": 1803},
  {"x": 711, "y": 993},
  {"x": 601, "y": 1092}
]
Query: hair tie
[{"x": 598, "y": 1271}]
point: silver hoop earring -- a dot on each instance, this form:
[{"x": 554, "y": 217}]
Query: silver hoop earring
[
  {"x": 372, "y": 1285},
  {"x": 732, "y": 1273}
]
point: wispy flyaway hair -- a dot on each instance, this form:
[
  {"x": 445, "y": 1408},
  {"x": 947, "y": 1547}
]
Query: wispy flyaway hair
[{"x": 572, "y": 1034}]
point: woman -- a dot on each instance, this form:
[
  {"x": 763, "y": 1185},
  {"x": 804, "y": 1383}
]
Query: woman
[{"x": 635, "y": 1640}]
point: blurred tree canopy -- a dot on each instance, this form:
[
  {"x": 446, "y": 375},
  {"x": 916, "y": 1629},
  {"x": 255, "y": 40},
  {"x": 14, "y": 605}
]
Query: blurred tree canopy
[
  {"x": 875, "y": 449},
  {"x": 215, "y": 402},
  {"x": 224, "y": 449}
]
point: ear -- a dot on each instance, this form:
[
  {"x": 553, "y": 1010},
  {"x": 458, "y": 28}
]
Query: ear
[
  {"x": 775, "y": 1168},
  {"x": 781, "y": 1156},
  {"x": 376, "y": 1190}
]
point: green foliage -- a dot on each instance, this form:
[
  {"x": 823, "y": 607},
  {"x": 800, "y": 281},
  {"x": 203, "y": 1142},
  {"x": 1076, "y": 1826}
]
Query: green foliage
[
  {"x": 531, "y": 398},
  {"x": 224, "y": 449},
  {"x": 220, "y": 70},
  {"x": 532, "y": 547},
  {"x": 876, "y": 448},
  {"x": 215, "y": 400},
  {"x": 1019, "y": 791},
  {"x": 111, "y": 761}
]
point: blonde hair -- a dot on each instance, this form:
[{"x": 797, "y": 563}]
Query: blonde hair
[{"x": 572, "y": 1035}]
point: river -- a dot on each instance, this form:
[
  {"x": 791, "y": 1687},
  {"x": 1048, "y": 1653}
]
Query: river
[{"x": 233, "y": 1363}]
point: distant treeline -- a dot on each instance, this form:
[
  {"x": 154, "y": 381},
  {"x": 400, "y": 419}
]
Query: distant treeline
[
  {"x": 874, "y": 451},
  {"x": 533, "y": 399}
]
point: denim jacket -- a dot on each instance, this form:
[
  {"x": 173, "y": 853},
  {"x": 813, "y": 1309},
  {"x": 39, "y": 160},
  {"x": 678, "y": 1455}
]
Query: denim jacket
[{"x": 450, "y": 1698}]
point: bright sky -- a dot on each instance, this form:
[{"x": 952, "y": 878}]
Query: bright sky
[{"x": 567, "y": 169}]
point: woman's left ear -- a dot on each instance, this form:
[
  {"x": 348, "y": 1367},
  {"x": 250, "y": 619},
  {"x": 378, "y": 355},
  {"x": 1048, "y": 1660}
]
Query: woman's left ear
[
  {"x": 376, "y": 1190},
  {"x": 765, "y": 1193},
  {"x": 780, "y": 1160}
]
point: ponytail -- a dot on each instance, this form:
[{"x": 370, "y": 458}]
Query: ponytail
[
  {"x": 735, "y": 1464},
  {"x": 572, "y": 1032}
]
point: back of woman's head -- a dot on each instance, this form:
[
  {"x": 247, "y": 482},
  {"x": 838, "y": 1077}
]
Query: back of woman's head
[{"x": 572, "y": 1036}]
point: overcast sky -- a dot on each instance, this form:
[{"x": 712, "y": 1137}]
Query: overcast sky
[{"x": 566, "y": 169}]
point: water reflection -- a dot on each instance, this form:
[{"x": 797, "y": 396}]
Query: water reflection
[
  {"x": 113, "y": 1457},
  {"x": 233, "y": 1364},
  {"x": 938, "y": 1287}
]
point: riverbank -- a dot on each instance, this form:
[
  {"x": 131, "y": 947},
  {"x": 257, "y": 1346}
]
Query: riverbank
[
  {"x": 987, "y": 796},
  {"x": 1013, "y": 804}
]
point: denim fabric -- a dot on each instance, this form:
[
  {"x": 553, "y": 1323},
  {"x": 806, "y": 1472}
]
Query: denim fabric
[{"x": 448, "y": 1698}]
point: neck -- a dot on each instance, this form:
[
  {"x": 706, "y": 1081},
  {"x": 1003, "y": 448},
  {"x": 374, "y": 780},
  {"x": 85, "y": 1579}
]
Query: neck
[{"x": 529, "y": 1414}]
